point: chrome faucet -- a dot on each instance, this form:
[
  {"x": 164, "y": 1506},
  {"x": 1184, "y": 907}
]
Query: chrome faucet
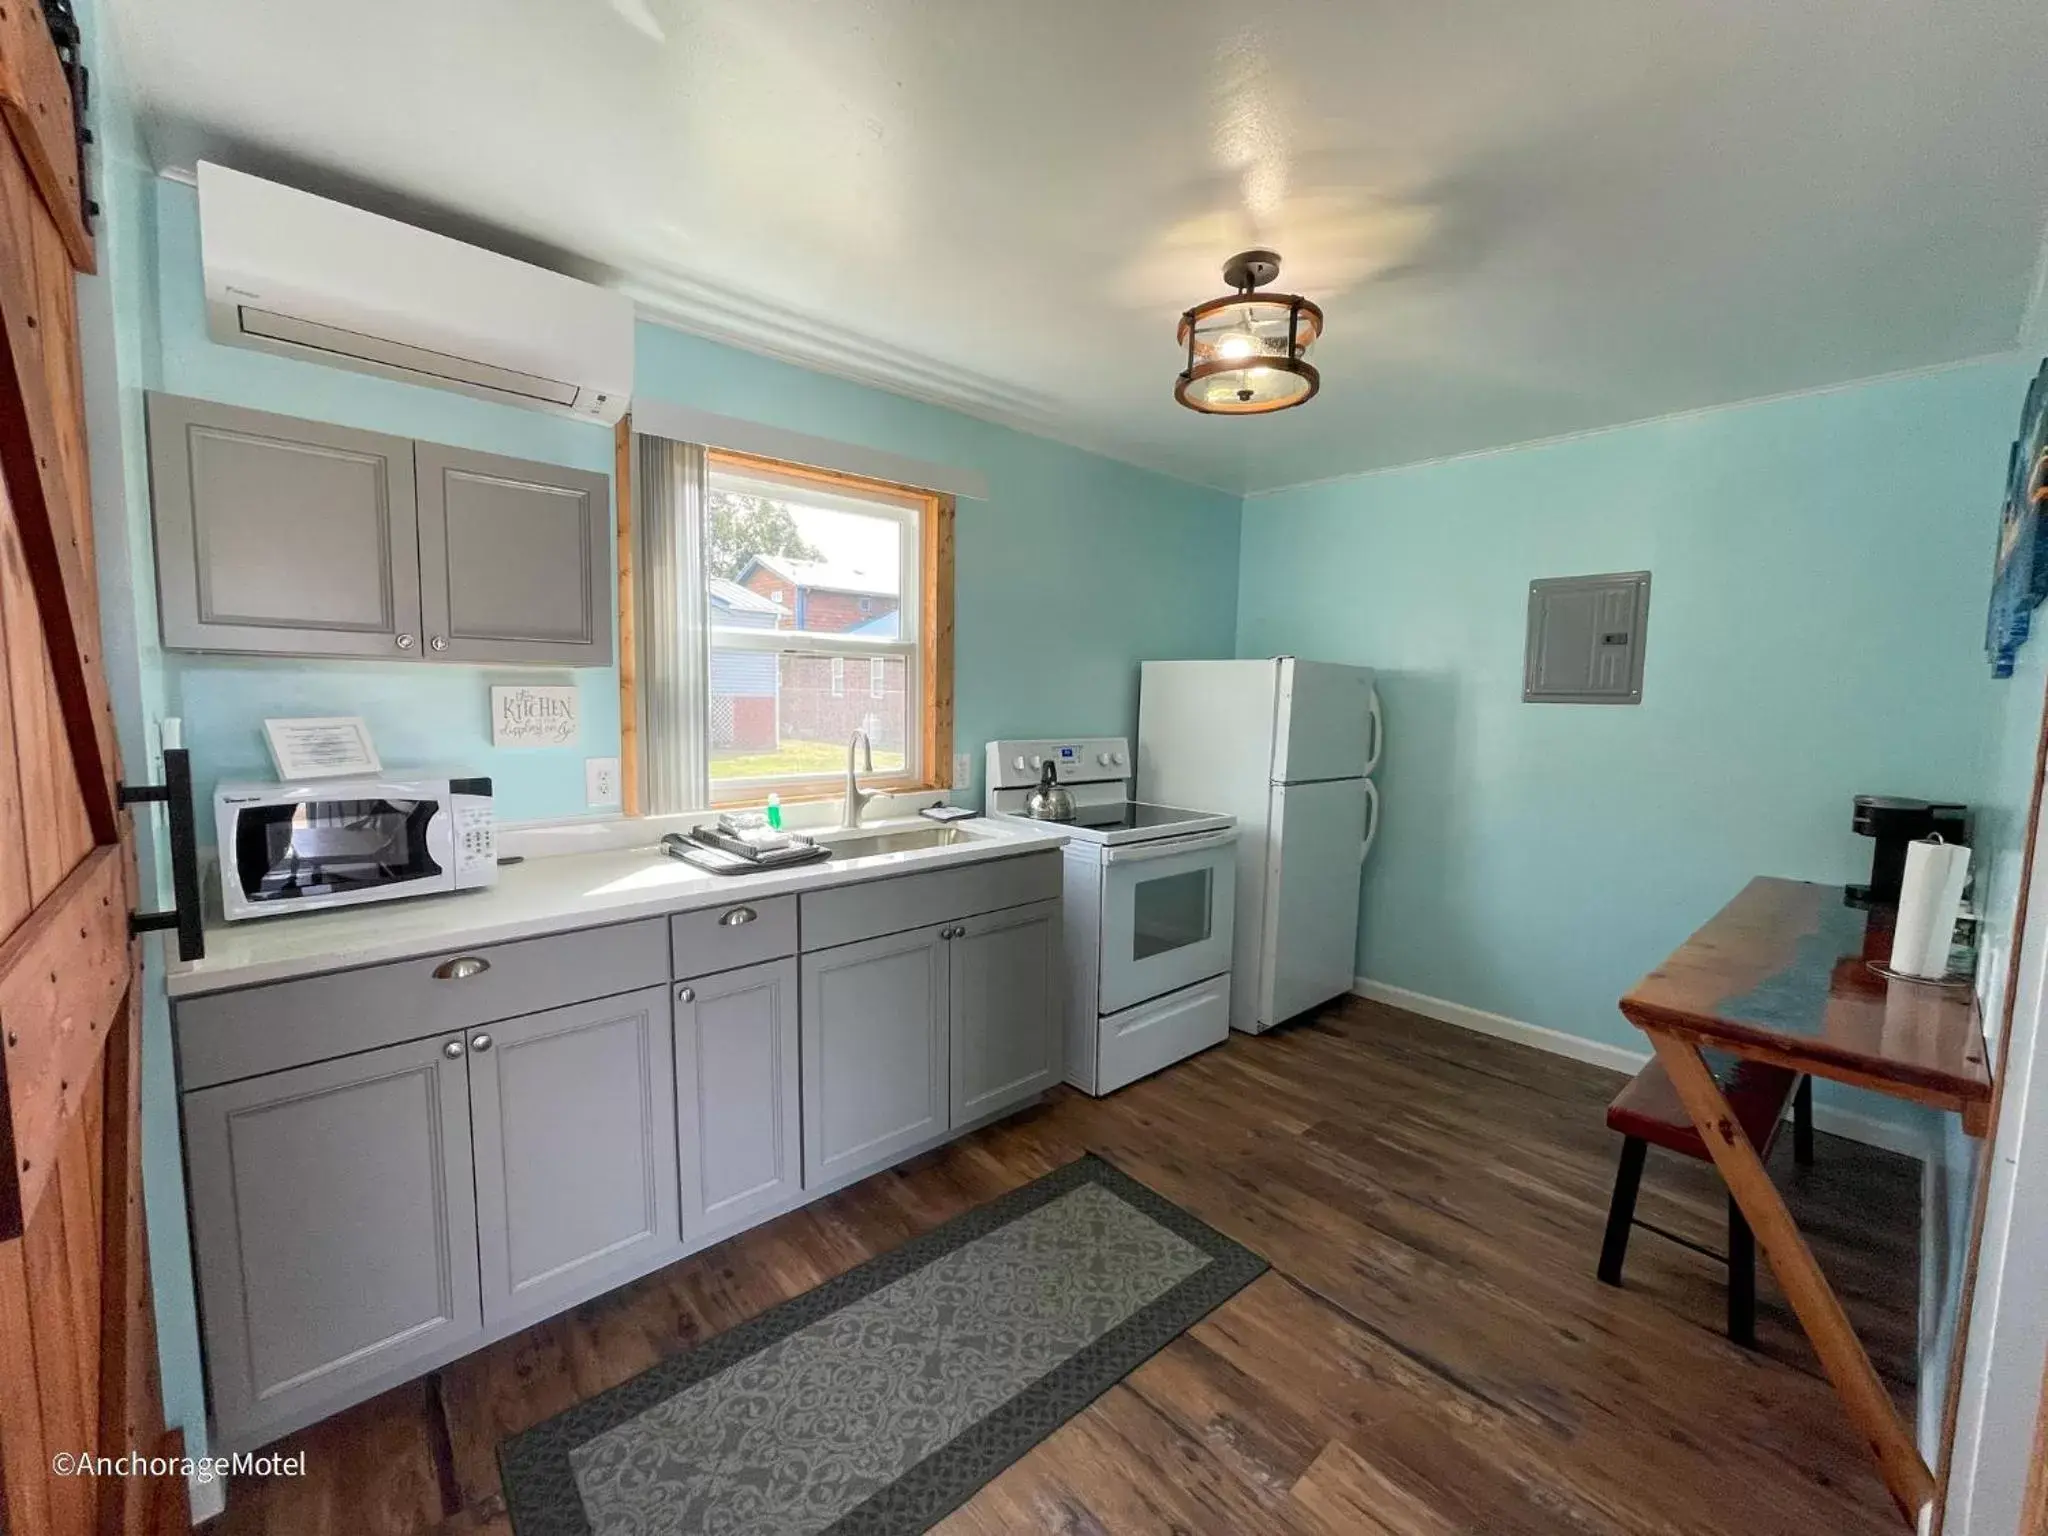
[{"x": 856, "y": 797}]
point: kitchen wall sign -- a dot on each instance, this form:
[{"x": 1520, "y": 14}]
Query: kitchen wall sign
[{"x": 534, "y": 717}]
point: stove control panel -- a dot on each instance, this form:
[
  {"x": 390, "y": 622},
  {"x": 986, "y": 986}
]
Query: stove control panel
[{"x": 1076, "y": 760}]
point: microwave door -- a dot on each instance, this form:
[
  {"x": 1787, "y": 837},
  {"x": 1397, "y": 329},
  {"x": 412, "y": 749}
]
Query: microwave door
[{"x": 325, "y": 852}]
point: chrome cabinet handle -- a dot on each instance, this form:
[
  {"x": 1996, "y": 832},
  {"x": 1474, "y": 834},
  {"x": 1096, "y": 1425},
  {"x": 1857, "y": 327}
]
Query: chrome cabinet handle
[
  {"x": 439, "y": 642},
  {"x": 686, "y": 994},
  {"x": 738, "y": 917},
  {"x": 461, "y": 968},
  {"x": 479, "y": 1042},
  {"x": 452, "y": 1050},
  {"x": 405, "y": 642}
]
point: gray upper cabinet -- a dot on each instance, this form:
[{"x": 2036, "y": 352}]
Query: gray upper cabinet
[
  {"x": 1003, "y": 978},
  {"x": 281, "y": 536},
  {"x": 574, "y": 1117},
  {"x": 515, "y": 559},
  {"x": 737, "y": 1095},
  {"x": 334, "y": 1226},
  {"x": 875, "y": 1044},
  {"x": 276, "y": 536}
]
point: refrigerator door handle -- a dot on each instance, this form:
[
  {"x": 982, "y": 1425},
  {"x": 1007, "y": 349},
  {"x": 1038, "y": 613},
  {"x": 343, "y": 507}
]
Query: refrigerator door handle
[
  {"x": 1372, "y": 817},
  {"x": 1379, "y": 737}
]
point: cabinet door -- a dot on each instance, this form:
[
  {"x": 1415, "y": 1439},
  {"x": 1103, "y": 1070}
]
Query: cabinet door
[
  {"x": 737, "y": 1094},
  {"x": 575, "y": 1122},
  {"x": 280, "y": 536},
  {"x": 515, "y": 559},
  {"x": 334, "y": 1224},
  {"x": 1004, "y": 969},
  {"x": 874, "y": 1051}
]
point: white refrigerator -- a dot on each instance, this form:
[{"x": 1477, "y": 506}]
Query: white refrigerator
[{"x": 1288, "y": 747}]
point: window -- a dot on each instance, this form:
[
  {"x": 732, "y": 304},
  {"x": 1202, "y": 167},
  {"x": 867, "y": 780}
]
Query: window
[{"x": 809, "y": 574}]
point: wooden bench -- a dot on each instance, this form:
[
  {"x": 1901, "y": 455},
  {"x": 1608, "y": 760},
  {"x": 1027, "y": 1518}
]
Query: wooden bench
[{"x": 1648, "y": 1112}]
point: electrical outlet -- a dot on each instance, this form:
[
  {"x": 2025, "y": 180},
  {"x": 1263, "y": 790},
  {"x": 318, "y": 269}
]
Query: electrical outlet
[
  {"x": 600, "y": 781},
  {"x": 963, "y": 769}
]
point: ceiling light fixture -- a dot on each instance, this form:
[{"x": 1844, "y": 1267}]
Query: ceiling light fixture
[{"x": 1248, "y": 351}]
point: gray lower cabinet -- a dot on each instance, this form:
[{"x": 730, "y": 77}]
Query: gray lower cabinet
[
  {"x": 875, "y": 1046},
  {"x": 1003, "y": 975},
  {"x": 737, "y": 1092},
  {"x": 573, "y": 1116},
  {"x": 277, "y": 536},
  {"x": 280, "y": 536},
  {"x": 334, "y": 1225}
]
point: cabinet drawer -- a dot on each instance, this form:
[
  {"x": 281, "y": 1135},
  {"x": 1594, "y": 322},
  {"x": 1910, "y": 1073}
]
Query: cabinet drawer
[
  {"x": 855, "y": 912},
  {"x": 266, "y": 1029},
  {"x": 725, "y": 938}
]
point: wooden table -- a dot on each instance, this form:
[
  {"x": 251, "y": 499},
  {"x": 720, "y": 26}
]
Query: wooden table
[{"x": 1784, "y": 974}]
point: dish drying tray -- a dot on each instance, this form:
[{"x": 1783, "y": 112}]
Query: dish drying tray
[{"x": 716, "y": 853}]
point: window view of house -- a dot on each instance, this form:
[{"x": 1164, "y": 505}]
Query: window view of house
[{"x": 812, "y": 638}]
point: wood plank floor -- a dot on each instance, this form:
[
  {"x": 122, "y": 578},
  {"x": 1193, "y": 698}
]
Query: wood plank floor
[{"x": 1430, "y": 1353}]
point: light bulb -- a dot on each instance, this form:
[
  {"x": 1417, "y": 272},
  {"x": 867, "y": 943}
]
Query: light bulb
[{"x": 1238, "y": 344}]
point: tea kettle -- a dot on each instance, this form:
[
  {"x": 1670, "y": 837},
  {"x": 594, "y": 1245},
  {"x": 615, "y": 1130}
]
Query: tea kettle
[{"x": 1049, "y": 802}]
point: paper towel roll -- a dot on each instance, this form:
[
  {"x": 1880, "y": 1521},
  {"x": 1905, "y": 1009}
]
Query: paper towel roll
[{"x": 1930, "y": 897}]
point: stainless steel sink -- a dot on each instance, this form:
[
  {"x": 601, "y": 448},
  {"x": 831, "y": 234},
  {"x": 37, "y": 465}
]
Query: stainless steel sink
[{"x": 861, "y": 845}]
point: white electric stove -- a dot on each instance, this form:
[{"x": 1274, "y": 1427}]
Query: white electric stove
[{"x": 1149, "y": 903}]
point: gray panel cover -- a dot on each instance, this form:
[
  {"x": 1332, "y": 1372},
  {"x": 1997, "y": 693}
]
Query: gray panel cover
[{"x": 1585, "y": 643}]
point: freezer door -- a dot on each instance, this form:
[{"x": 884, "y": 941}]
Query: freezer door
[
  {"x": 1309, "y": 941},
  {"x": 1324, "y": 722},
  {"x": 1205, "y": 733}
]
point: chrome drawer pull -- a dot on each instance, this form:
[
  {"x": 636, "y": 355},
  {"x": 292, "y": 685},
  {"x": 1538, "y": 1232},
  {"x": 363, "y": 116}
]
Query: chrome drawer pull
[
  {"x": 479, "y": 1042},
  {"x": 461, "y": 968},
  {"x": 685, "y": 995},
  {"x": 452, "y": 1050},
  {"x": 737, "y": 917}
]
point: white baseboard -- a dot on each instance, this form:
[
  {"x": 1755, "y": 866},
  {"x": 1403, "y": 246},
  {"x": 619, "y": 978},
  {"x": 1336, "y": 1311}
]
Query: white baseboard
[
  {"x": 1619, "y": 1058},
  {"x": 208, "y": 1499}
]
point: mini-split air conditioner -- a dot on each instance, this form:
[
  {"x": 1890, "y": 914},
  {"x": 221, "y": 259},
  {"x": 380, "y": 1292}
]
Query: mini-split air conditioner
[{"x": 296, "y": 274}]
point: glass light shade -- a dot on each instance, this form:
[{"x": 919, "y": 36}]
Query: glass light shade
[{"x": 1248, "y": 353}]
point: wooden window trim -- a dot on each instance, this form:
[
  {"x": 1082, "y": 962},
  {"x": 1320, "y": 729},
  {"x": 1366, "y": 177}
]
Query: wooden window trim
[{"x": 936, "y": 512}]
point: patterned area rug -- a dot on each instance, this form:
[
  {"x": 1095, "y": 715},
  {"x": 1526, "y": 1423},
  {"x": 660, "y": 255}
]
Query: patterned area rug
[{"x": 879, "y": 1402}]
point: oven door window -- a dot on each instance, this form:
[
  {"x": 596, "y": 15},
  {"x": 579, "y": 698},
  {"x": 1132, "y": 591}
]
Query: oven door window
[
  {"x": 313, "y": 848},
  {"x": 1170, "y": 912}
]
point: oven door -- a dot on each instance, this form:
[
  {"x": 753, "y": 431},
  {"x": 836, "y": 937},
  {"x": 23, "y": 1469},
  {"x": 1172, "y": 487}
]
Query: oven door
[
  {"x": 315, "y": 852},
  {"x": 1166, "y": 915}
]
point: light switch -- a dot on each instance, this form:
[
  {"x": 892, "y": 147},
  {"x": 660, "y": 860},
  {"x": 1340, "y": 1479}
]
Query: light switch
[
  {"x": 963, "y": 769},
  {"x": 600, "y": 781}
]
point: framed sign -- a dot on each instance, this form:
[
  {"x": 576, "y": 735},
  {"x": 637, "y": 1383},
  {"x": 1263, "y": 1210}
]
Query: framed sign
[
  {"x": 2019, "y": 572},
  {"x": 534, "y": 717},
  {"x": 321, "y": 747}
]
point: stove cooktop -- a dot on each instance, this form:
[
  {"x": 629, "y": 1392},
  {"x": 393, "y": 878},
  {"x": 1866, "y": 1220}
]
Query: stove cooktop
[{"x": 1133, "y": 821}]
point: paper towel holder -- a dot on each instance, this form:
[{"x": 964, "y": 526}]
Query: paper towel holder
[{"x": 1894, "y": 821}]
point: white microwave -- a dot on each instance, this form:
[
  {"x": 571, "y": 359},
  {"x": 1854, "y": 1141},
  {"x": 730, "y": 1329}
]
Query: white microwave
[{"x": 319, "y": 843}]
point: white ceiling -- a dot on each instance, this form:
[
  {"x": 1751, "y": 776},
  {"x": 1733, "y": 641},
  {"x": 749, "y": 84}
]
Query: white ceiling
[{"x": 1522, "y": 220}]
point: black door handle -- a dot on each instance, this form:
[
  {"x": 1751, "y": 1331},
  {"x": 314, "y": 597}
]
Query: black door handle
[{"x": 176, "y": 794}]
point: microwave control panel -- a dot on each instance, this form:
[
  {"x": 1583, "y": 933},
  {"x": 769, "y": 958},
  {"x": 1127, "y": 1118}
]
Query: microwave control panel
[{"x": 476, "y": 841}]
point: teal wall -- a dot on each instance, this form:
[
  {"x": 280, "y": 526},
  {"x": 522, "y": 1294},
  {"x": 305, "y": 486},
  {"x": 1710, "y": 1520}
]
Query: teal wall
[
  {"x": 419, "y": 714},
  {"x": 1820, "y": 566},
  {"x": 1075, "y": 569}
]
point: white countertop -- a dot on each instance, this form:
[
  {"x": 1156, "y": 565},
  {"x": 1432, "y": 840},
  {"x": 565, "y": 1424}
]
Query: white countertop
[{"x": 550, "y": 895}]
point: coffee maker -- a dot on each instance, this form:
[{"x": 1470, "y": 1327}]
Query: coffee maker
[{"x": 1895, "y": 822}]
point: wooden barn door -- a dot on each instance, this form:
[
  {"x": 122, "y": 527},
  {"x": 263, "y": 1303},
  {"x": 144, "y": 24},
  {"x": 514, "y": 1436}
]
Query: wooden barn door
[{"x": 77, "y": 1345}]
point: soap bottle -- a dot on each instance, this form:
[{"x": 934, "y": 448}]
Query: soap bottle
[{"x": 775, "y": 810}]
